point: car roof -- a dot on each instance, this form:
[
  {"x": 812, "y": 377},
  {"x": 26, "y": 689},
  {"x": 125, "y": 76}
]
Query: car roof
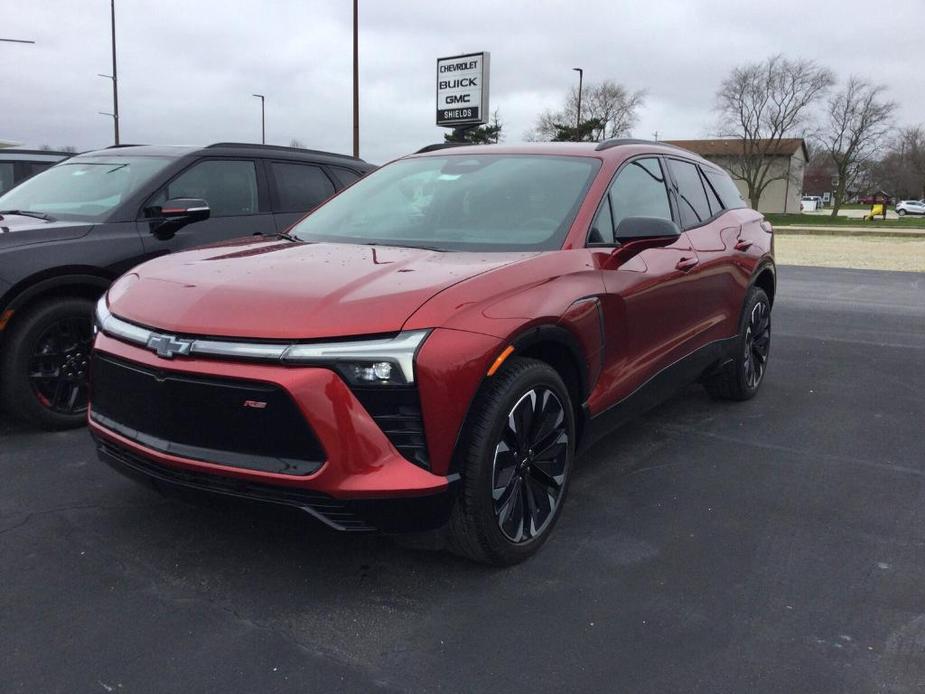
[
  {"x": 11, "y": 153},
  {"x": 608, "y": 149},
  {"x": 229, "y": 149}
]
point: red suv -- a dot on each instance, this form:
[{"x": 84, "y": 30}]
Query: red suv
[{"x": 428, "y": 350}]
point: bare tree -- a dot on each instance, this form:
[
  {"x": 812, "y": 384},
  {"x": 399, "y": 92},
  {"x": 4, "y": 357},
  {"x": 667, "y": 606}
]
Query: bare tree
[
  {"x": 608, "y": 110},
  {"x": 857, "y": 122},
  {"x": 901, "y": 170},
  {"x": 761, "y": 104},
  {"x": 296, "y": 142}
]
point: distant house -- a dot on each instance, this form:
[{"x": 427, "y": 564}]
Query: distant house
[{"x": 789, "y": 162}]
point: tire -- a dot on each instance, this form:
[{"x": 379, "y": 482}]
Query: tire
[
  {"x": 44, "y": 364},
  {"x": 901, "y": 213},
  {"x": 742, "y": 378},
  {"x": 496, "y": 481}
]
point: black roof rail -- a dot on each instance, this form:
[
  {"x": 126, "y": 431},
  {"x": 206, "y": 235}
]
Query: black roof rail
[
  {"x": 616, "y": 142},
  {"x": 281, "y": 148},
  {"x": 443, "y": 145},
  {"x": 121, "y": 146}
]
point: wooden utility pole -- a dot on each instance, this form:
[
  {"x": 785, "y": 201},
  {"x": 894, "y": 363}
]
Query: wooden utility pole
[{"x": 356, "y": 82}]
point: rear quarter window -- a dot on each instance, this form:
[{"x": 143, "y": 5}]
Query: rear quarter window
[{"x": 725, "y": 188}]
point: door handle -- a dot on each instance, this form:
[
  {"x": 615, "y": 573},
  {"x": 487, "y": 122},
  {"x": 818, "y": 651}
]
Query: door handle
[
  {"x": 743, "y": 245},
  {"x": 686, "y": 264}
]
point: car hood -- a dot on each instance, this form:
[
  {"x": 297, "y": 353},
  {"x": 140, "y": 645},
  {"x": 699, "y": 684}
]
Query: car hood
[
  {"x": 287, "y": 290},
  {"x": 19, "y": 230}
]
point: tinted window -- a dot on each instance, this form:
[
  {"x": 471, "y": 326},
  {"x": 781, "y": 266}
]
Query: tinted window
[
  {"x": 715, "y": 205},
  {"x": 300, "y": 187},
  {"x": 692, "y": 200},
  {"x": 230, "y": 187},
  {"x": 345, "y": 176},
  {"x": 639, "y": 191},
  {"x": 458, "y": 202},
  {"x": 728, "y": 192},
  {"x": 602, "y": 229},
  {"x": 6, "y": 175}
]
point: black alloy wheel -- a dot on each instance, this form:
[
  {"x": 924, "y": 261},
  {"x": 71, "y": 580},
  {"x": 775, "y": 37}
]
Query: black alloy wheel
[
  {"x": 529, "y": 465},
  {"x": 44, "y": 363},
  {"x": 58, "y": 369},
  {"x": 757, "y": 343}
]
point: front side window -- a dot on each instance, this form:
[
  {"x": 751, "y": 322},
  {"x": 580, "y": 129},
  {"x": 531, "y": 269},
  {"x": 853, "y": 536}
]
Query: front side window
[
  {"x": 639, "y": 191},
  {"x": 300, "y": 187},
  {"x": 83, "y": 188},
  {"x": 228, "y": 186},
  {"x": 458, "y": 202},
  {"x": 692, "y": 199}
]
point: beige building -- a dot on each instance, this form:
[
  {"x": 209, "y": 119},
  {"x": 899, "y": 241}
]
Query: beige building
[{"x": 789, "y": 162}]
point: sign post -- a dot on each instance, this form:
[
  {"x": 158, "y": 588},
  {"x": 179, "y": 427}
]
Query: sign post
[{"x": 462, "y": 92}]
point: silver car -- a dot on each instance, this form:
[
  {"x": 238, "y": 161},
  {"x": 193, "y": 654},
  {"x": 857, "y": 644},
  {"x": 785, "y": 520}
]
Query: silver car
[{"x": 904, "y": 207}]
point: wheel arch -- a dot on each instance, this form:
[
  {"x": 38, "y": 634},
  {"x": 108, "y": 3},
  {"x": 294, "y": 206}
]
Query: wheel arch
[
  {"x": 63, "y": 282},
  {"x": 765, "y": 278}
]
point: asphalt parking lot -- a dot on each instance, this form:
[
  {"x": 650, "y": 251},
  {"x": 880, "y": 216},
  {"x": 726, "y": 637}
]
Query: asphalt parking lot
[{"x": 772, "y": 546}]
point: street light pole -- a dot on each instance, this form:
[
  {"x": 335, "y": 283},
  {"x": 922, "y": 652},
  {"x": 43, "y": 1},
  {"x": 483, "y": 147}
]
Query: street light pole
[
  {"x": 115, "y": 75},
  {"x": 263, "y": 121},
  {"x": 581, "y": 76},
  {"x": 356, "y": 81}
]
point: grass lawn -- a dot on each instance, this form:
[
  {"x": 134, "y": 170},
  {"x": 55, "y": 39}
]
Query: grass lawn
[{"x": 826, "y": 221}]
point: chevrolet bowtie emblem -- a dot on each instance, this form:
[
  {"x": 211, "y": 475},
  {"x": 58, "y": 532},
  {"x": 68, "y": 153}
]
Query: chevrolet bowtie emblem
[{"x": 168, "y": 346}]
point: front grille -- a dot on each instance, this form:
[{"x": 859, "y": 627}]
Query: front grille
[
  {"x": 397, "y": 411},
  {"x": 243, "y": 424},
  {"x": 338, "y": 514}
]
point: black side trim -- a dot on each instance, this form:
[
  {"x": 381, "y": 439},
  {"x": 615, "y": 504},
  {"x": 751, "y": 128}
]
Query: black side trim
[{"x": 658, "y": 388}]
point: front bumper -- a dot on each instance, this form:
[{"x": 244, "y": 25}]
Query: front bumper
[{"x": 363, "y": 482}]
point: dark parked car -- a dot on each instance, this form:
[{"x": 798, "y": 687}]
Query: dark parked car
[
  {"x": 66, "y": 233},
  {"x": 16, "y": 165},
  {"x": 430, "y": 348}
]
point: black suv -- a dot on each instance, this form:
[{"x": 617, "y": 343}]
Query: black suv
[
  {"x": 66, "y": 233},
  {"x": 16, "y": 165}
]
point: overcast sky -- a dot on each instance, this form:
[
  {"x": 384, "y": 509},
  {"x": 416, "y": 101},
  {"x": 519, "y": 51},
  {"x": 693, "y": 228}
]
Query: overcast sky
[{"x": 187, "y": 69}]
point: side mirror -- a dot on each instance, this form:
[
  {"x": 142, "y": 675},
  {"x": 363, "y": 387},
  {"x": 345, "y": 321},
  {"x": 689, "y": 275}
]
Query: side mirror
[
  {"x": 168, "y": 218},
  {"x": 635, "y": 228}
]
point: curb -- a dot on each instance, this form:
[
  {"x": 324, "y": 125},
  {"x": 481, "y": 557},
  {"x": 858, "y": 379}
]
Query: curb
[{"x": 849, "y": 231}]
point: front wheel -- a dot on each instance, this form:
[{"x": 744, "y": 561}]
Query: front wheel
[
  {"x": 901, "y": 213},
  {"x": 45, "y": 362},
  {"x": 741, "y": 378},
  {"x": 516, "y": 456}
]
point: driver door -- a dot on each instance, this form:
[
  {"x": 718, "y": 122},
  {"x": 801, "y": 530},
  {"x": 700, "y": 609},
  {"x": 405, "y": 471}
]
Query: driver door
[{"x": 235, "y": 191}]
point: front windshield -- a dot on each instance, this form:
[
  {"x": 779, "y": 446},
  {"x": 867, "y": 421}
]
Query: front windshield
[
  {"x": 85, "y": 189},
  {"x": 493, "y": 202}
]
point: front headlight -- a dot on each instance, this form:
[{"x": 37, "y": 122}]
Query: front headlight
[{"x": 386, "y": 361}]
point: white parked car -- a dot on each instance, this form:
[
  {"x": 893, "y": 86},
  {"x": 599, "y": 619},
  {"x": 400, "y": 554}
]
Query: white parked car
[
  {"x": 904, "y": 207},
  {"x": 810, "y": 203}
]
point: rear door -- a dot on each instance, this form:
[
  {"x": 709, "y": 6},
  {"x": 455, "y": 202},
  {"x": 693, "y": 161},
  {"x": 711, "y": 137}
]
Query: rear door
[
  {"x": 297, "y": 188},
  {"x": 714, "y": 235},
  {"x": 236, "y": 192}
]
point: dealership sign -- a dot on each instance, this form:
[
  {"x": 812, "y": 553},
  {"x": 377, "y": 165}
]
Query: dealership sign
[{"x": 462, "y": 90}]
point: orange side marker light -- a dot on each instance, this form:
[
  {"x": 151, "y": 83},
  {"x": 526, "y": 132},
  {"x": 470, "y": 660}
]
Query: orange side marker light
[{"x": 500, "y": 360}]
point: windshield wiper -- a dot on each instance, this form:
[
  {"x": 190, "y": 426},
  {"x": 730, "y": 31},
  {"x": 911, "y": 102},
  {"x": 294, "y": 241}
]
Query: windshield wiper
[
  {"x": 26, "y": 213},
  {"x": 289, "y": 237}
]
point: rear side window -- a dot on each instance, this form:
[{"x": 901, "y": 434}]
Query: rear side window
[
  {"x": 727, "y": 191},
  {"x": 344, "y": 176},
  {"x": 230, "y": 187},
  {"x": 300, "y": 187},
  {"x": 692, "y": 199}
]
